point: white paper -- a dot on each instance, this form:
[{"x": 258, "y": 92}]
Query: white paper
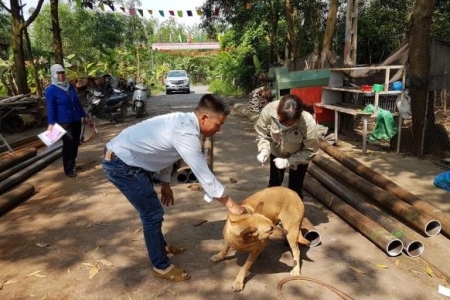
[
  {"x": 444, "y": 291},
  {"x": 51, "y": 137}
]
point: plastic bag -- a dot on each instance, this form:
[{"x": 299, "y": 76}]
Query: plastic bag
[
  {"x": 404, "y": 106},
  {"x": 385, "y": 127},
  {"x": 443, "y": 181}
]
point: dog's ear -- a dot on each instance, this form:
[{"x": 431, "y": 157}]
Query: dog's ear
[
  {"x": 259, "y": 208},
  {"x": 237, "y": 218}
]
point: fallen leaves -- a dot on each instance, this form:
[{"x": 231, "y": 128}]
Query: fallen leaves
[
  {"x": 15, "y": 280},
  {"x": 195, "y": 187},
  {"x": 94, "y": 269}
]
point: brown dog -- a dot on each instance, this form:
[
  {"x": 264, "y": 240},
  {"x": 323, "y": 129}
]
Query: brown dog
[{"x": 251, "y": 231}]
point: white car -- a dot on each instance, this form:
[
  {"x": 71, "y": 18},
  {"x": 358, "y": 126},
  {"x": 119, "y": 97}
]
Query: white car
[{"x": 177, "y": 81}]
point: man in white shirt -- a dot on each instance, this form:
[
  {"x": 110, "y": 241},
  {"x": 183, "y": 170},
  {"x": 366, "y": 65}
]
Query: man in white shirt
[{"x": 151, "y": 148}]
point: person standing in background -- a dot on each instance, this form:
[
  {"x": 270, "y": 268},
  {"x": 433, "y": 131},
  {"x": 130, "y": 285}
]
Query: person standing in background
[
  {"x": 64, "y": 107},
  {"x": 287, "y": 133}
]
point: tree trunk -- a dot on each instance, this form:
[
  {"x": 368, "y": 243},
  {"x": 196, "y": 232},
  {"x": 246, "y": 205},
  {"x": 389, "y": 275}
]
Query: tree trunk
[
  {"x": 273, "y": 38},
  {"x": 331, "y": 21},
  {"x": 418, "y": 65},
  {"x": 35, "y": 71},
  {"x": 293, "y": 29},
  {"x": 17, "y": 27},
  {"x": 329, "y": 31},
  {"x": 19, "y": 71},
  {"x": 56, "y": 30}
]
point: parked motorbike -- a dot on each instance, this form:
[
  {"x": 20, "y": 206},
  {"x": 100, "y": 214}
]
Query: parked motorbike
[
  {"x": 111, "y": 104},
  {"x": 140, "y": 97}
]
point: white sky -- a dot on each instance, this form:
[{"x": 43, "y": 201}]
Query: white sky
[{"x": 154, "y": 5}]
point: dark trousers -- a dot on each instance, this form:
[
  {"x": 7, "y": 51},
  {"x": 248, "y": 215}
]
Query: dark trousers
[
  {"x": 296, "y": 177},
  {"x": 71, "y": 141}
]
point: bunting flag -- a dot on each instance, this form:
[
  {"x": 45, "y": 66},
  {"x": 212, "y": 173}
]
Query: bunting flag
[
  {"x": 101, "y": 6},
  {"x": 79, "y": 5},
  {"x": 132, "y": 11},
  {"x": 199, "y": 12},
  {"x": 112, "y": 7},
  {"x": 150, "y": 12},
  {"x": 161, "y": 12},
  {"x": 248, "y": 5},
  {"x": 172, "y": 13},
  {"x": 189, "y": 13},
  {"x": 216, "y": 11},
  {"x": 122, "y": 8},
  {"x": 180, "y": 13},
  {"x": 141, "y": 12},
  {"x": 89, "y": 4}
]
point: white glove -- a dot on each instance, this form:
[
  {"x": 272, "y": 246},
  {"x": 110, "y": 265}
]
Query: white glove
[
  {"x": 281, "y": 163},
  {"x": 263, "y": 155}
]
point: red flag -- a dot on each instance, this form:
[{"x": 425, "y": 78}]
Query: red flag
[
  {"x": 172, "y": 13},
  {"x": 216, "y": 11},
  {"x": 132, "y": 11},
  {"x": 122, "y": 8}
]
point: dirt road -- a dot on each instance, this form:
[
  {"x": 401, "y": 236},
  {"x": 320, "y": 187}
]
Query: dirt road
[{"x": 80, "y": 239}]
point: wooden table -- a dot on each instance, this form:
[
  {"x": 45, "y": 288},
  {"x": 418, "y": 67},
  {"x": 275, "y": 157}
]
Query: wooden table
[{"x": 355, "y": 112}]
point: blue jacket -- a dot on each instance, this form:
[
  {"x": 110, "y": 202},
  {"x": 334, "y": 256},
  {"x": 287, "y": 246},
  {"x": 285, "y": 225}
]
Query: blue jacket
[{"x": 63, "y": 107}]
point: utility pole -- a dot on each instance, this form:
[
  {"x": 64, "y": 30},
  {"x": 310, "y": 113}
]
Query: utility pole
[{"x": 351, "y": 33}]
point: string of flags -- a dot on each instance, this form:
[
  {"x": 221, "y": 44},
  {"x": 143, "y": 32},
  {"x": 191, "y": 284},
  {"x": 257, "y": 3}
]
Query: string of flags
[{"x": 180, "y": 13}]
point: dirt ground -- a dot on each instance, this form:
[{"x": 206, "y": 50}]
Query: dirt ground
[{"x": 80, "y": 238}]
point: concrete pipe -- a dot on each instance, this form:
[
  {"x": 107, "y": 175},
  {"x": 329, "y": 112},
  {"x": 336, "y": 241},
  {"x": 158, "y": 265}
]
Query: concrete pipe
[
  {"x": 369, "y": 228},
  {"x": 310, "y": 233},
  {"x": 183, "y": 176},
  {"x": 410, "y": 215},
  {"x": 386, "y": 184},
  {"x": 192, "y": 177},
  {"x": 182, "y": 166},
  {"x": 412, "y": 246},
  {"x": 13, "y": 159},
  {"x": 14, "y": 197}
]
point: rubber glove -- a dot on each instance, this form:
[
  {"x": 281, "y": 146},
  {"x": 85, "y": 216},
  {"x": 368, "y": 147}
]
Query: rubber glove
[
  {"x": 262, "y": 156},
  {"x": 281, "y": 163}
]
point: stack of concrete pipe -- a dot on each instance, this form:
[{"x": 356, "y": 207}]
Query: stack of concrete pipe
[
  {"x": 381, "y": 210},
  {"x": 184, "y": 173},
  {"x": 16, "y": 168}
]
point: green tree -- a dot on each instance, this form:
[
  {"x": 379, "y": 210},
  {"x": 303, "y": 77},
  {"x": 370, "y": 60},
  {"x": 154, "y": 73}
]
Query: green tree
[{"x": 18, "y": 25}]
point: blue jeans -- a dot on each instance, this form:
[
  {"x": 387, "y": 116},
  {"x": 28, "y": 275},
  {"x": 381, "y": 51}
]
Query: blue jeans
[{"x": 137, "y": 186}]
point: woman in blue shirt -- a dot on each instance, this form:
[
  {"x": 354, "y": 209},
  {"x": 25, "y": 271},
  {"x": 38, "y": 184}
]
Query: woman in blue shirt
[{"x": 64, "y": 107}]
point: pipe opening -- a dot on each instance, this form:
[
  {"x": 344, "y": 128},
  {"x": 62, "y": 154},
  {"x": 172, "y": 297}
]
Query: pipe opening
[
  {"x": 182, "y": 177},
  {"x": 191, "y": 177},
  {"x": 313, "y": 237},
  {"x": 433, "y": 228},
  {"x": 415, "y": 249},
  {"x": 394, "y": 248}
]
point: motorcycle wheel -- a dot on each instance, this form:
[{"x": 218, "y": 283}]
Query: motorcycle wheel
[
  {"x": 139, "y": 111},
  {"x": 121, "y": 114}
]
